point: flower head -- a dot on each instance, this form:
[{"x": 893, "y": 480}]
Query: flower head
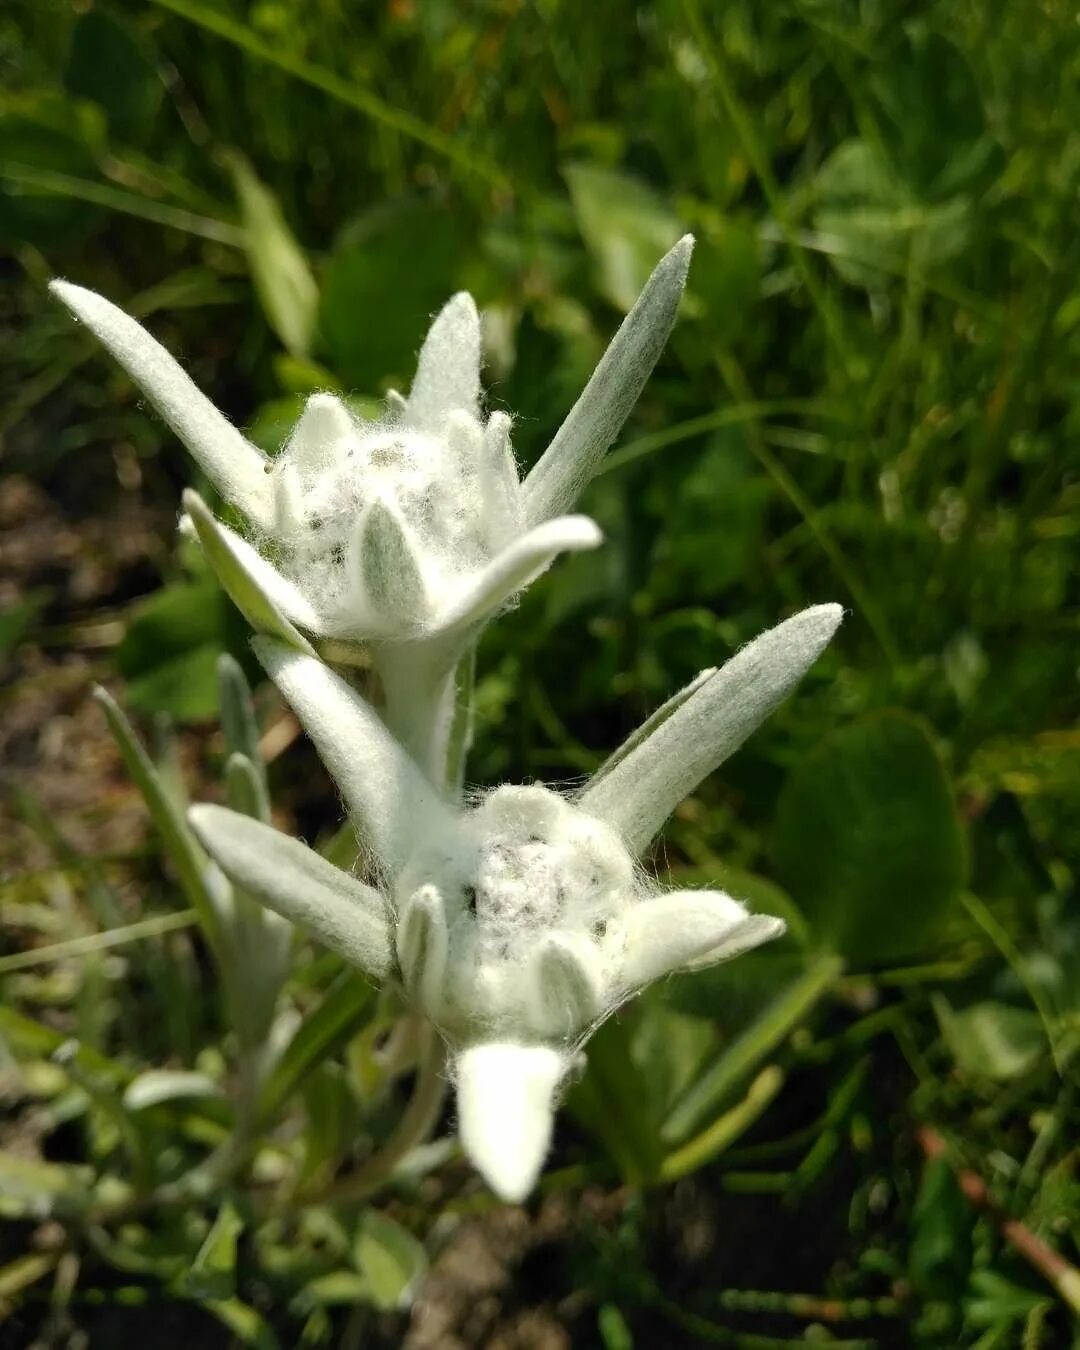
[
  {"x": 519, "y": 923},
  {"x": 411, "y": 527},
  {"x": 407, "y": 527}
]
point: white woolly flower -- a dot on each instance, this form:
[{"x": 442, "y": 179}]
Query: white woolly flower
[
  {"x": 516, "y": 925},
  {"x": 415, "y": 526},
  {"x": 408, "y": 527}
]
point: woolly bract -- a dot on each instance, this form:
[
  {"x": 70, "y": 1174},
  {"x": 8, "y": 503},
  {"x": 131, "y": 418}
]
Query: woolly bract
[
  {"x": 516, "y": 925},
  {"x": 412, "y": 527}
]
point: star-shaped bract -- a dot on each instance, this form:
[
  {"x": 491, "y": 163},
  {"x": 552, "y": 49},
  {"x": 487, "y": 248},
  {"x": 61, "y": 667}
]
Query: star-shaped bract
[{"x": 516, "y": 925}]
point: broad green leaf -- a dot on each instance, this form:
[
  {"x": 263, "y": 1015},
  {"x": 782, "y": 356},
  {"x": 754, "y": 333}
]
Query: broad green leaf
[
  {"x": 612, "y": 1326},
  {"x": 614, "y": 1102},
  {"x": 180, "y": 686},
  {"x": 283, "y": 278},
  {"x": 874, "y": 223},
  {"x": 669, "y": 1047},
  {"x": 335, "y": 1288},
  {"x": 726, "y": 282},
  {"x": 333, "y": 1118},
  {"x": 392, "y": 1261},
  {"x": 626, "y": 227},
  {"x": 390, "y": 271},
  {"x": 344, "y": 1009},
  {"x": 18, "y": 618},
  {"x": 992, "y": 1040},
  {"x": 213, "y": 1272},
  {"x": 52, "y": 134},
  {"x": 746, "y": 1052},
  {"x": 946, "y": 145},
  {"x": 867, "y": 839},
  {"x": 24, "y": 1271},
  {"x": 109, "y": 64},
  {"x": 29, "y": 1039},
  {"x": 170, "y": 649}
]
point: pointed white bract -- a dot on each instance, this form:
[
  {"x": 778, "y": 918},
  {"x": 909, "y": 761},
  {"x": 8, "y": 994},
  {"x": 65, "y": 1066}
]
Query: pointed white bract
[
  {"x": 506, "y": 1108},
  {"x": 296, "y": 883},
  {"x": 595, "y": 420},
  {"x": 390, "y": 799},
  {"x": 235, "y": 466},
  {"x": 646, "y": 783}
]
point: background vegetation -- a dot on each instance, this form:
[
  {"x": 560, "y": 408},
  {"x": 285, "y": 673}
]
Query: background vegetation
[{"x": 873, "y": 396}]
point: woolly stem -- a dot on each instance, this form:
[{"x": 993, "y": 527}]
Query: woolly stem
[{"x": 418, "y": 701}]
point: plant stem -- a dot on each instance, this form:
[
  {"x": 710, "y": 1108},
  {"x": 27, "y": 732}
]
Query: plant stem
[
  {"x": 724, "y": 1131},
  {"x": 418, "y": 692},
  {"x": 413, "y": 1129},
  {"x": 762, "y": 1036},
  {"x": 1064, "y": 1276}
]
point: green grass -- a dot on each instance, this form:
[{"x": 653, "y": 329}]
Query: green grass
[{"x": 872, "y": 396}]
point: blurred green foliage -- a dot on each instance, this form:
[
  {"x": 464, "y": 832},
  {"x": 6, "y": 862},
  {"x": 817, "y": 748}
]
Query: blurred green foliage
[{"x": 872, "y": 395}]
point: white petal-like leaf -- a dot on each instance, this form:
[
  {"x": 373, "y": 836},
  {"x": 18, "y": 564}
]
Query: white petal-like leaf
[
  {"x": 320, "y": 428},
  {"x": 595, "y": 420},
  {"x": 685, "y": 929},
  {"x": 295, "y": 882},
  {"x": 156, "y": 1086},
  {"x": 387, "y": 580},
  {"x": 266, "y": 599},
  {"x": 506, "y": 1105},
  {"x": 565, "y": 981},
  {"x": 448, "y": 368},
  {"x": 288, "y": 501},
  {"x": 504, "y": 505},
  {"x": 641, "y": 791},
  {"x": 652, "y": 722},
  {"x": 422, "y": 946},
  {"x": 393, "y": 800},
  {"x": 515, "y": 567},
  {"x": 235, "y": 466}
]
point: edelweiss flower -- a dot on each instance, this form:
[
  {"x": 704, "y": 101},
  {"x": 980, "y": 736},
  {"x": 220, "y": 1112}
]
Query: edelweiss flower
[
  {"x": 516, "y": 925},
  {"x": 412, "y": 527}
]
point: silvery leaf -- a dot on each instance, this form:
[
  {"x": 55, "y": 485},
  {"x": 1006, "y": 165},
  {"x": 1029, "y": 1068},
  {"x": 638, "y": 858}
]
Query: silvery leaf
[
  {"x": 299, "y": 885},
  {"x": 685, "y": 929},
  {"x": 266, "y": 599},
  {"x": 595, "y": 420},
  {"x": 235, "y": 466},
  {"x": 514, "y": 567},
  {"x": 646, "y": 784},
  {"x": 448, "y": 368},
  {"x": 392, "y": 799}
]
